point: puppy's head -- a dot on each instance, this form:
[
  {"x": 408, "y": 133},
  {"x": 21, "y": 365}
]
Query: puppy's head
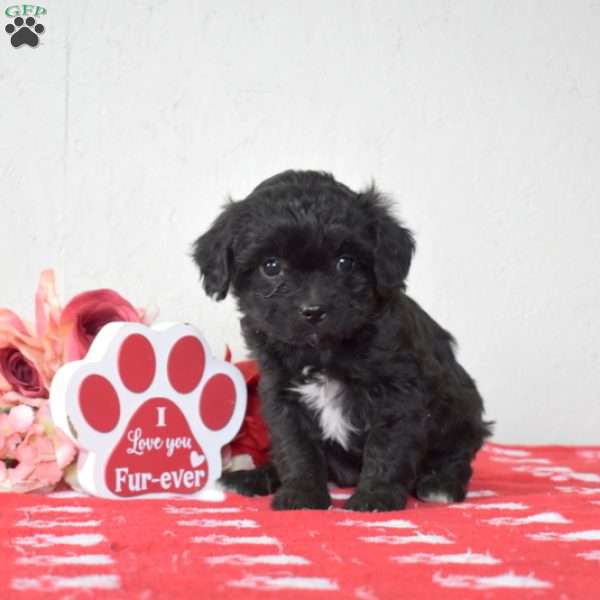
[{"x": 309, "y": 260}]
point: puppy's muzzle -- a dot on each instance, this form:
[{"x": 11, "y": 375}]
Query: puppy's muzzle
[{"x": 313, "y": 314}]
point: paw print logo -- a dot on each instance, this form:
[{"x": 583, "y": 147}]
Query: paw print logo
[
  {"x": 150, "y": 409},
  {"x": 24, "y": 32}
]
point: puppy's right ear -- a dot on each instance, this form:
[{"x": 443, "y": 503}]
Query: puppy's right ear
[{"x": 213, "y": 253}]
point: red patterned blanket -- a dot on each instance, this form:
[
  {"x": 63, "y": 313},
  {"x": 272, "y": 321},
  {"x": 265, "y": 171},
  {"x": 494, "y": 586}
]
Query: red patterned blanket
[{"x": 530, "y": 528}]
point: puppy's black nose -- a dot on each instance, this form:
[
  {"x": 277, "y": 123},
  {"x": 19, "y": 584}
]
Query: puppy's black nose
[{"x": 313, "y": 314}]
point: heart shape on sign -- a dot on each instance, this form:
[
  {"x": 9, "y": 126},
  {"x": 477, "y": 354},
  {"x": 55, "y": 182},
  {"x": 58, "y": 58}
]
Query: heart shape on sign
[{"x": 196, "y": 459}]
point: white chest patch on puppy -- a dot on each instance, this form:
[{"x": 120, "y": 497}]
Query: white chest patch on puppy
[{"x": 325, "y": 396}]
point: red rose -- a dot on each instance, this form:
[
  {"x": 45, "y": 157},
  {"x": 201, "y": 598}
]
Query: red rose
[
  {"x": 253, "y": 438},
  {"x": 22, "y": 370},
  {"x": 86, "y": 314}
]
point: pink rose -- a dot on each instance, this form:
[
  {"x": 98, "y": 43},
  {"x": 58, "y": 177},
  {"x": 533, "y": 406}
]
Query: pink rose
[
  {"x": 13, "y": 426},
  {"x": 64, "y": 449},
  {"x": 86, "y": 314},
  {"x": 23, "y": 373},
  {"x": 27, "y": 477},
  {"x": 35, "y": 450}
]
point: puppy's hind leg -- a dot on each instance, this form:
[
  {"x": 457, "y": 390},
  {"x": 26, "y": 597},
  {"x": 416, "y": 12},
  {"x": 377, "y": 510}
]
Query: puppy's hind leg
[
  {"x": 446, "y": 479},
  {"x": 261, "y": 481}
]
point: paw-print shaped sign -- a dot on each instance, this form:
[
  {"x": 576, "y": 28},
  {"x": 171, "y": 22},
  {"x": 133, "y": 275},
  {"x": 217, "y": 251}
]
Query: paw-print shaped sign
[{"x": 150, "y": 409}]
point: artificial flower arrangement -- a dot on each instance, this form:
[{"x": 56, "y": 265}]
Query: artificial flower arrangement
[{"x": 34, "y": 454}]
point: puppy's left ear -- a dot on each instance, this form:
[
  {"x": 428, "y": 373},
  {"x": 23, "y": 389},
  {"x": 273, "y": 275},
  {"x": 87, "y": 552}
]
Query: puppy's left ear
[
  {"x": 394, "y": 244},
  {"x": 213, "y": 254}
]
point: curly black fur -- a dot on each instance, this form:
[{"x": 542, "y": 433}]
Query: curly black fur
[{"x": 319, "y": 272}]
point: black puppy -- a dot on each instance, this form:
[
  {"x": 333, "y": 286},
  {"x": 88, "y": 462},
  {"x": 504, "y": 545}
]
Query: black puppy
[{"x": 358, "y": 384}]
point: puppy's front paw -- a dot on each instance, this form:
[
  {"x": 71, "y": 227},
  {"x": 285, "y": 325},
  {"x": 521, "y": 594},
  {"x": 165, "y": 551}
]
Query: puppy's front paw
[
  {"x": 256, "y": 482},
  {"x": 297, "y": 496},
  {"x": 376, "y": 500},
  {"x": 441, "y": 489}
]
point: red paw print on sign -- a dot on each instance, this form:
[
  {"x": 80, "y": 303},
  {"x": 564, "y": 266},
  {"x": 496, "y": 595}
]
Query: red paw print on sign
[{"x": 150, "y": 409}]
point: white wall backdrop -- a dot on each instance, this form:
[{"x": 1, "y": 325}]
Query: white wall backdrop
[{"x": 122, "y": 133}]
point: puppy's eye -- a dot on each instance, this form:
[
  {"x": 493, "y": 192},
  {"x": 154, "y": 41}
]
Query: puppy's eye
[
  {"x": 345, "y": 264},
  {"x": 271, "y": 267}
]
